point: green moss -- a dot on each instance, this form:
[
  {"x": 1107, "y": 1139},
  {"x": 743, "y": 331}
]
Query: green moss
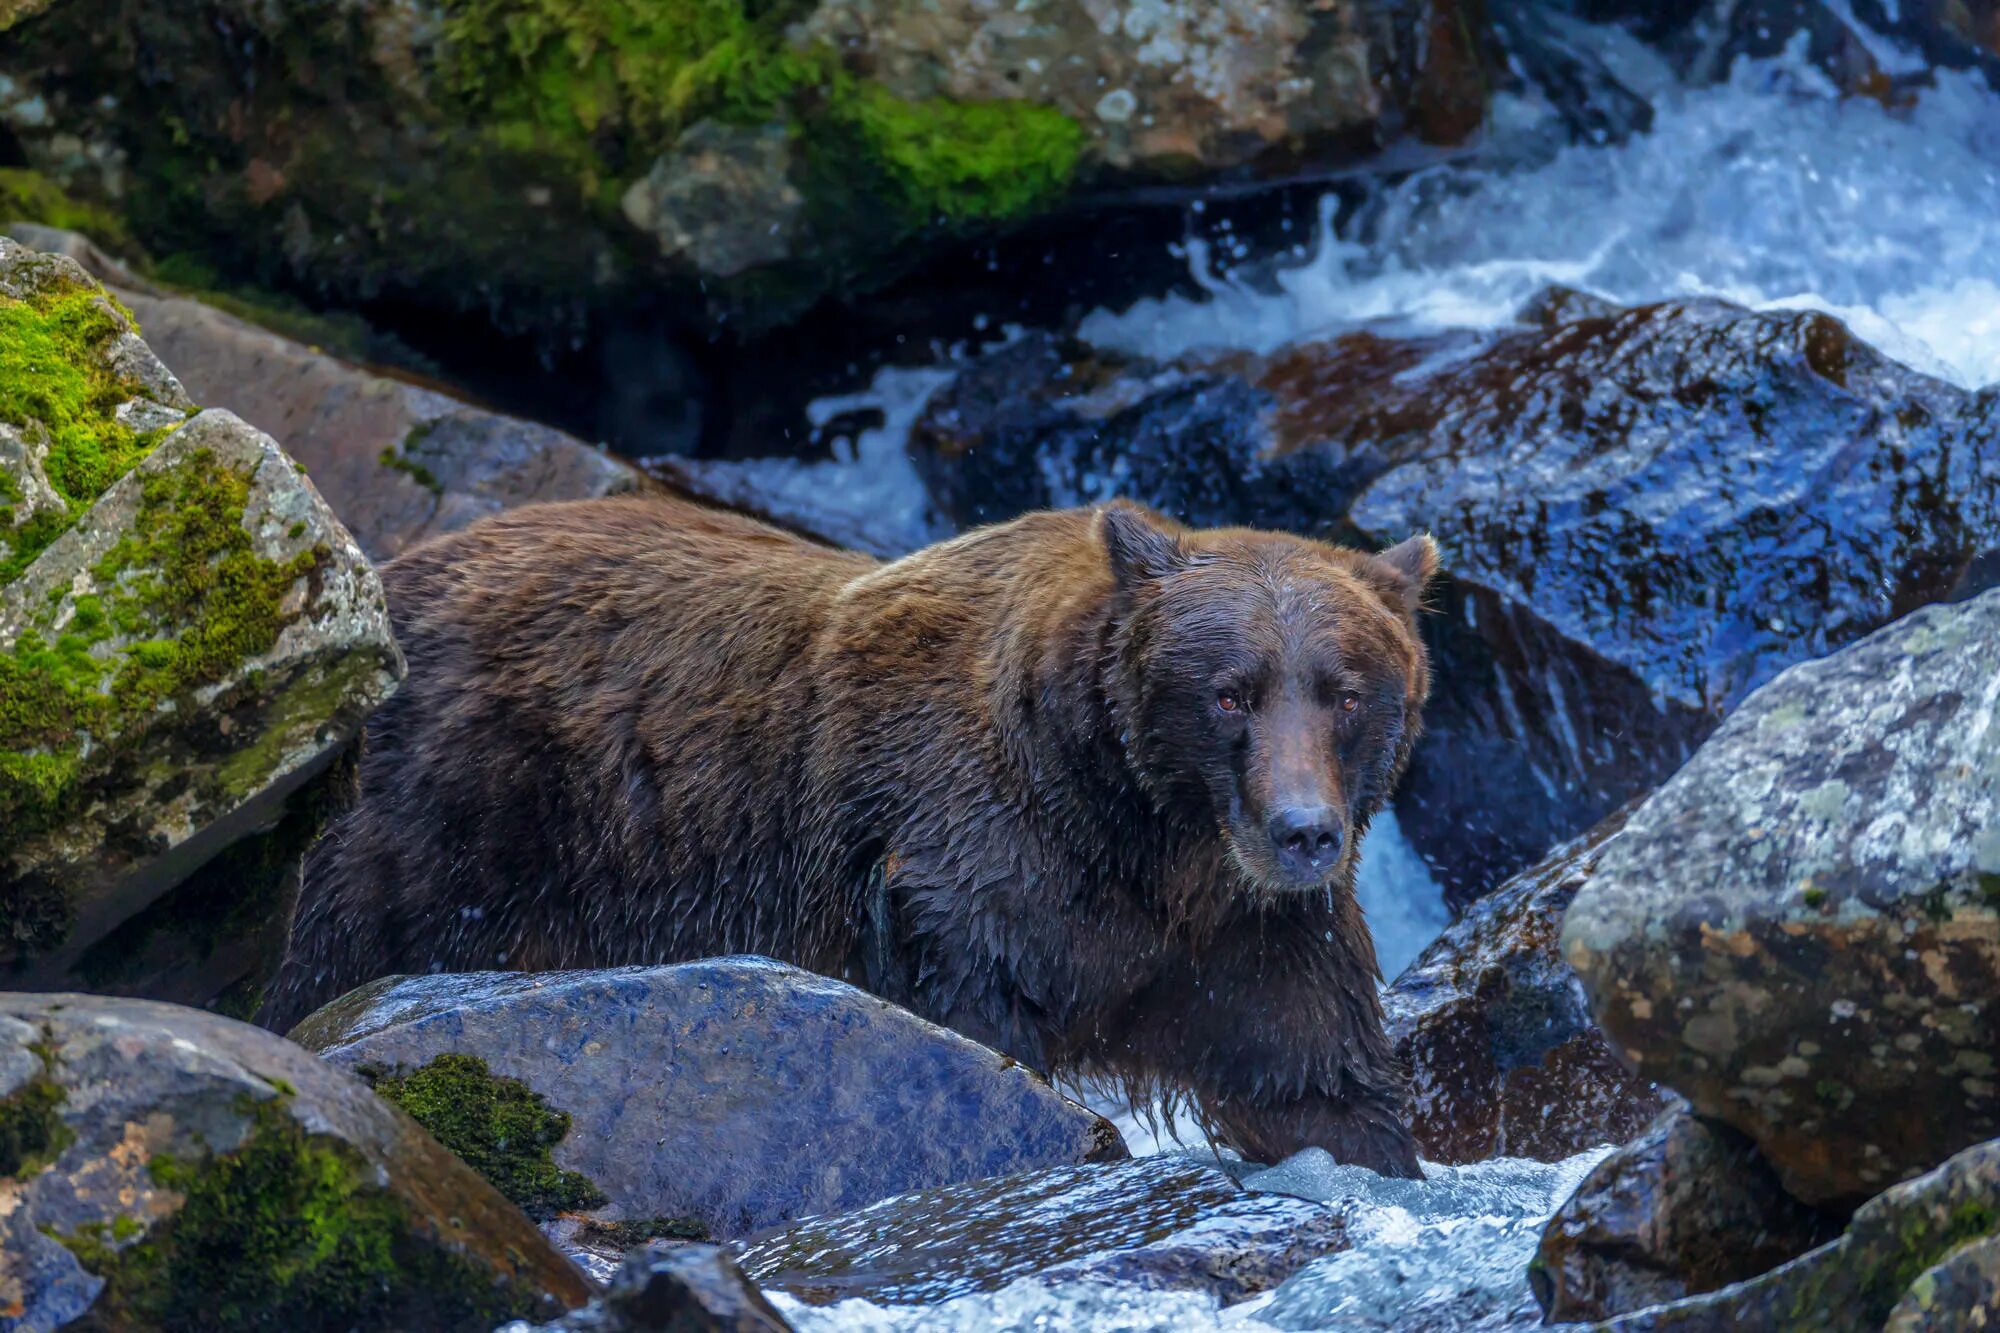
[
  {"x": 396, "y": 461},
  {"x": 965, "y": 161},
  {"x": 603, "y": 86},
  {"x": 289, "y": 1231},
  {"x": 498, "y": 1126},
  {"x": 53, "y": 377},
  {"x": 32, "y": 1132},
  {"x": 187, "y": 575},
  {"x": 27, "y": 196}
]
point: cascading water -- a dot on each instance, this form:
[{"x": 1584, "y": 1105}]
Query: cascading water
[{"x": 1768, "y": 189}]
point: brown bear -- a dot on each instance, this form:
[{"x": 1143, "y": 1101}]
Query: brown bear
[{"x": 1086, "y": 786}]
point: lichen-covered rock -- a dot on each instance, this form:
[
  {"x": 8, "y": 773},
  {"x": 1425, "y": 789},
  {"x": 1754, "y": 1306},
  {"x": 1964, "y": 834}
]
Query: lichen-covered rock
[
  {"x": 1503, "y": 1054},
  {"x": 1161, "y": 1223},
  {"x": 1800, "y": 932},
  {"x": 1687, "y": 1207},
  {"x": 397, "y": 462},
  {"x": 672, "y": 1289},
  {"x": 472, "y": 154},
  {"x": 187, "y": 635},
  {"x": 732, "y": 1094},
  {"x": 1645, "y": 514},
  {"x": 163, "y": 1168},
  {"x": 1919, "y": 1256}
]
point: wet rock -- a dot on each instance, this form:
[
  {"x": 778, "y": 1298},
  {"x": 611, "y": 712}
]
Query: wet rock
[
  {"x": 506, "y": 126},
  {"x": 1161, "y": 1223},
  {"x": 397, "y": 461},
  {"x": 1801, "y": 931},
  {"x": 672, "y": 1289},
  {"x": 1688, "y": 1207},
  {"x": 1504, "y": 1057},
  {"x": 1920, "y": 1253},
  {"x": 730, "y": 1094},
  {"x": 1645, "y": 513},
  {"x": 165, "y": 1168},
  {"x": 188, "y": 639}
]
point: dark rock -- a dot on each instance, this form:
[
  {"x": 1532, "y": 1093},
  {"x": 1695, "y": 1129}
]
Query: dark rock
[
  {"x": 1504, "y": 1056},
  {"x": 1645, "y": 514},
  {"x": 734, "y": 1093},
  {"x": 672, "y": 1289},
  {"x": 1161, "y": 1223},
  {"x": 1921, "y": 1253},
  {"x": 397, "y": 461},
  {"x": 165, "y": 1168},
  {"x": 189, "y": 639},
  {"x": 1686, "y": 1208},
  {"x": 1801, "y": 931}
]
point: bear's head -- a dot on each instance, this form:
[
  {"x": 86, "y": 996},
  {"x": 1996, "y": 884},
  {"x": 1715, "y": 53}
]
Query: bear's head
[{"x": 1269, "y": 687}]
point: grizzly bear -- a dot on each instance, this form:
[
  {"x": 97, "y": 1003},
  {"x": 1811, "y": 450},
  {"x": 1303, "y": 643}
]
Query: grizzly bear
[{"x": 1085, "y": 786}]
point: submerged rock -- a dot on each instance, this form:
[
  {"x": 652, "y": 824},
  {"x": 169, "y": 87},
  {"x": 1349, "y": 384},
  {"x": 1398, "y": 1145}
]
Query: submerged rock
[
  {"x": 188, "y": 638},
  {"x": 398, "y": 462},
  {"x": 1917, "y": 1256},
  {"x": 1687, "y": 1207},
  {"x": 672, "y": 1289},
  {"x": 1161, "y": 1223},
  {"x": 1645, "y": 514},
  {"x": 1801, "y": 931},
  {"x": 165, "y": 1168},
  {"x": 1504, "y": 1057},
  {"x": 714, "y": 1098}
]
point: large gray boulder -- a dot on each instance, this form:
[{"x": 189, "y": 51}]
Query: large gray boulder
[
  {"x": 716, "y": 1098},
  {"x": 188, "y": 636},
  {"x": 1800, "y": 932},
  {"x": 164, "y": 1168}
]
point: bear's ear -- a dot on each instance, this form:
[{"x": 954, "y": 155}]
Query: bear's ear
[
  {"x": 1139, "y": 547},
  {"x": 1408, "y": 567}
]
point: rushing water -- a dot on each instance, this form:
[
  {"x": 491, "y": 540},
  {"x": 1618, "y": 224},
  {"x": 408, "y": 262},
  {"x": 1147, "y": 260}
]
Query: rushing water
[{"x": 1767, "y": 189}]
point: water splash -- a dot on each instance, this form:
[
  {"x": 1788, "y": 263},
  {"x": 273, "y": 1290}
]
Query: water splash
[{"x": 1770, "y": 190}]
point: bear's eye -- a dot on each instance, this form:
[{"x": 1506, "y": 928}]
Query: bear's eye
[
  {"x": 1350, "y": 703},
  {"x": 1229, "y": 701}
]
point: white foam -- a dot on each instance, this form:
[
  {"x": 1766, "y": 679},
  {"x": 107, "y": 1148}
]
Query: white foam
[
  {"x": 1768, "y": 189},
  {"x": 1403, "y": 903}
]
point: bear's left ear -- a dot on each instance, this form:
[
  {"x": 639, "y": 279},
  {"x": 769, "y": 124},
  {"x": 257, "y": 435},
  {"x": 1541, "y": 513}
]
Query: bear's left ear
[
  {"x": 1408, "y": 567},
  {"x": 1140, "y": 549}
]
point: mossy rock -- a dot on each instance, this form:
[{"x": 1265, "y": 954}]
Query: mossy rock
[
  {"x": 473, "y": 154},
  {"x": 171, "y": 1170},
  {"x": 187, "y": 635}
]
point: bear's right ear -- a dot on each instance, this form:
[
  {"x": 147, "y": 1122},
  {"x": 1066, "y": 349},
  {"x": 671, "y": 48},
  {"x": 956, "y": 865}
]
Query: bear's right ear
[{"x": 1140, "y": 549}]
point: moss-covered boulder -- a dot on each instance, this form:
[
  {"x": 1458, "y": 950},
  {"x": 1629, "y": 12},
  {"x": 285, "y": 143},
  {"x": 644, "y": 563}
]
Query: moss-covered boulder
[
  {"x": 397, "y": 462},
  {"x": 187, "y": 635},
  {"x": 1919, "y": 1256},
  {"x": 708, "y": 1098},
  {"x": 544, "y": 157},
  {"x": 1800, "y": 932},
  {"x": 166, "y": 1169}
]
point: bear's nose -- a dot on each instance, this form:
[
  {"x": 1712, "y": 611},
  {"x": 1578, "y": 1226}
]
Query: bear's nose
[{"x": 1307, "y": 839}]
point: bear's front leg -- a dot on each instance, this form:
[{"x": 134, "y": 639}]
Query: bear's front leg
[
  {"x": 1275, "y": 1026},
  {"x": 1365, "y": 1132}
]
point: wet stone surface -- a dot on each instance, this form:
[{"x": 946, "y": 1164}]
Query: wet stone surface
[
  {"x": 1801, "y": 931},
  {"x": 1161, "y": 1223}
]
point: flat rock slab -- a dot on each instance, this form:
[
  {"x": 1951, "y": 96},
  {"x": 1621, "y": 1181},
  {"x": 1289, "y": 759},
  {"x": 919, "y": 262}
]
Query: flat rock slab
[
  {"x": 736, "y": 1093},
  {"x": 1163, "y": 1223},
  {"x": 1800, "y": 932},
  {"x": 1496, "y": 1031},
  {"x": 165, "y": 1168}
]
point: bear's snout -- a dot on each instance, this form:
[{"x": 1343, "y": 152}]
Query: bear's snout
[{"x": 1306, "y": 841}]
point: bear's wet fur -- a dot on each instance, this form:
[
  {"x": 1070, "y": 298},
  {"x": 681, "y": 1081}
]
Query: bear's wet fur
[{"x": 1039, "y": 783}]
